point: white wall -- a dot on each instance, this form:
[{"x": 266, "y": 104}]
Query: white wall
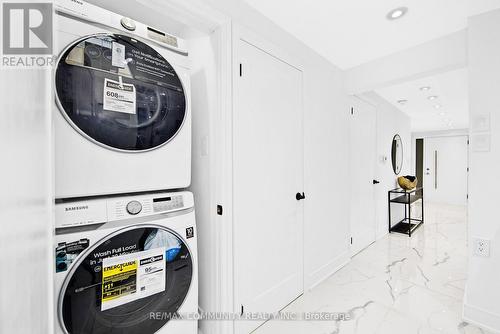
[
  {"x": 204, "y": 88},
  {"x": 326, "y": 151},
  {"x": 326, "y": 164},
  {"x": 326, "y": 132},
  {"x": 326, "y": 127},
  {"x": 390, "y": 121},
  {"x": 482, "y": 297},
  {"x": 27, "y": 260}
]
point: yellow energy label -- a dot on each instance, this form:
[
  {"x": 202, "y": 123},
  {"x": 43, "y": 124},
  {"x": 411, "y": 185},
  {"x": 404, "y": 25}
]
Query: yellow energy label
[
  {"x": 119, "y": 280},
  {"x": 133, "y": 276}
]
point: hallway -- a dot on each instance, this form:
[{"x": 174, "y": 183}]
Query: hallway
[{"x": 397, "y": 285}]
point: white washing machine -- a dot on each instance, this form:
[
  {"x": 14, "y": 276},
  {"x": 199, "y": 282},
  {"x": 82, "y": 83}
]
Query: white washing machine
[
  {"x": 126, "y": 265},
  {"x": 122, "y": 119}
]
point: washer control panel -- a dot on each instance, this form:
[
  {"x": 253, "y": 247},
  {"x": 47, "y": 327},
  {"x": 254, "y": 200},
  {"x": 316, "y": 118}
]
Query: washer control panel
[
  {"x": 168, "y": 203},
  {"x": 102, "y": 210}
]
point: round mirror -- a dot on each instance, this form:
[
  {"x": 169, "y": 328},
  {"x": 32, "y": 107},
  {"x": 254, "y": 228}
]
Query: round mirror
[{"x": 397, "y": 154}]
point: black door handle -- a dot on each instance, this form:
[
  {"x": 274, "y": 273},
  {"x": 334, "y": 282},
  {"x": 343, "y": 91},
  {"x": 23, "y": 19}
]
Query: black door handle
[
  {"x": 376, "y": 182},
  {"x": 300, "y": 196}
]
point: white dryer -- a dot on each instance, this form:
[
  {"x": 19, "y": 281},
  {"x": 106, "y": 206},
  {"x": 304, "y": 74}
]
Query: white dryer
[
  {"x": 122, "y": 119},
  {"x": 126, "y": 265}
]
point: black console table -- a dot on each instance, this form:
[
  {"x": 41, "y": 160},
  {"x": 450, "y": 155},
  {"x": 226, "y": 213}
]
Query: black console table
[{"x": 406, "y": 197}]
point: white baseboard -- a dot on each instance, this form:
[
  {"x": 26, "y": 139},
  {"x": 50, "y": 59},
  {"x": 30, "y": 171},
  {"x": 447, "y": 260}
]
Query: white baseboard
[
  {"x": 482, "y": 318},
  {"x": 381, "y": 235},
  {"x": 320, "y": 275}
]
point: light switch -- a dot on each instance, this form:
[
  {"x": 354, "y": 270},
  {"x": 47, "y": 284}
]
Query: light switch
[
  {"x": 480, "y": 123},
  {"x": 480, "y": 142}
]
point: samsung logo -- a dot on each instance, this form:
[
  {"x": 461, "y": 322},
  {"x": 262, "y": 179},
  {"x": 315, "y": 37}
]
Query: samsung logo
[
  {"x": 77, "y": 2},
  {"x": 76, "y": 208}
]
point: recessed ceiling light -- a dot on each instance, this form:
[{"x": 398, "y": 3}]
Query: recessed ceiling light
[
  {"x": 403, "y": 102},
  {"x": 396, "y": 13},
  {"x": 437, "y": 106},
  {"x": 442, "y": 113},
  {"x": 432, "y": 97},
  {"x": 425, "y": 88}
]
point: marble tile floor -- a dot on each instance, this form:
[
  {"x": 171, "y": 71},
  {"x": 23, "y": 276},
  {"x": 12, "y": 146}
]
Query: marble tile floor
[{"x": 397, "y": 285}]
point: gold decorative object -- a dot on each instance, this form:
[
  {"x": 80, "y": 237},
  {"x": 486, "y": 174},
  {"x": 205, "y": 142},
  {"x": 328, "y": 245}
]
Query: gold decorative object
[{"x": 408, "y": 182}]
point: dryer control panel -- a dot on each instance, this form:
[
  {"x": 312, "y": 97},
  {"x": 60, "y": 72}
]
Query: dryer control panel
[
  {"x": 88, "y": 12},
  {"x": 103, "y": 210}
]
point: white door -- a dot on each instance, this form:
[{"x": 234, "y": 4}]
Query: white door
[
  {"x": 363, "y": 155},
  {"x": 268, "y": 172},
  {"x": 445, "y": 169}
]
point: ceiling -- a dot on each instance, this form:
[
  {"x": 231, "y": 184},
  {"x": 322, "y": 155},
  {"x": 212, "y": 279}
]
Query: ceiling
[
  {"x": 353, "y": 32},
  {"x": 452, "y": 95}
]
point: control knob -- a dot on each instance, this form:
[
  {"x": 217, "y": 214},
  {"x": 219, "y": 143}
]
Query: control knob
[
  {"x": 128, "y": 23},
  {"x": 134, "y": 207}
]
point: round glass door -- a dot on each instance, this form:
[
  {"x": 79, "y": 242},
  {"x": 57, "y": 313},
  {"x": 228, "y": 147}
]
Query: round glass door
[
  {"x": 120, "y": 93},
  {"x": 117, "y": 284}
]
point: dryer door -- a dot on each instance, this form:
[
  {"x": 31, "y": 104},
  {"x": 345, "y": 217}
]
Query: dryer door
[
  {"x": 117, "y": 284},
  {"x": 119, "y": 93}
]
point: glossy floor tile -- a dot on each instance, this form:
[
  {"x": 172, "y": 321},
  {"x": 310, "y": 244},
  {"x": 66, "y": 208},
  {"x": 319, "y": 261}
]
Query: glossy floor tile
[{"x": 397, "y": 285}]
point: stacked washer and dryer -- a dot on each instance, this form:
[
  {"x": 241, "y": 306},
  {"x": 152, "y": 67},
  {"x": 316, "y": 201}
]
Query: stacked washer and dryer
[{"x": 125, "y": 237}]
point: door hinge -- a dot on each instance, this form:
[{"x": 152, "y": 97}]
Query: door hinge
[
  {"x": 468, "y": 141},
  {"x": 468, "y": 169},
  {"x": 242, "y": 310},
  {"x": 351, "y": 240},
  {"x": 352, "y": 111},
  {"x": 241, "y": 69},
  {"x": 219, "y": 210}
]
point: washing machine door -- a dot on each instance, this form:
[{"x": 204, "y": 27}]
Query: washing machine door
[
  {"x": 119, "y": 93},
  {"x": 123, "y": 279}
]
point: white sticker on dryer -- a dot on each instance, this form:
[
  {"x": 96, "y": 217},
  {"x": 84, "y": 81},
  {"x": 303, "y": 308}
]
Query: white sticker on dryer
[
  {"x": 119, "y": 97},
  {"x": 118, "y": 55}
]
